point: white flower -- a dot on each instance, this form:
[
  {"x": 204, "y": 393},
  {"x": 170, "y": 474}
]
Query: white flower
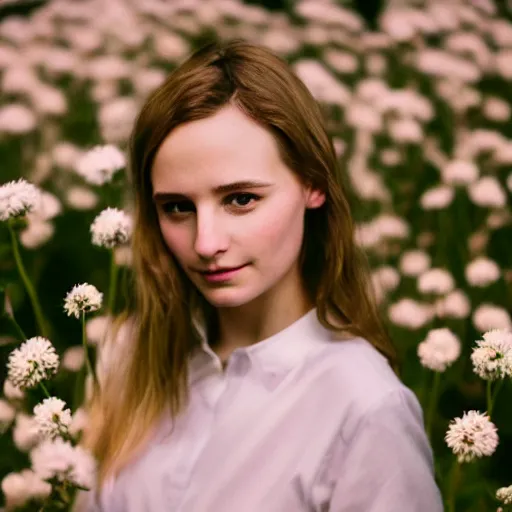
[
  {"x": 148, "y": 79},
  {"x": 81, "y": 198},
  {"x": 34, "y": 361},
  {"x": 47, "y": 208},
  {"x": 51, "y": 417},
  {"x": 15, "y": 490},
  {"x": 368, "y": 184},
  {"x": 405, "y": 130},
  {"x": 390, "y": 157},
  {"x": 437, "y": 198},
  {"x": 437, "y": 281},
  {"x": 503, "y": 154},
  {"x": 489, "y": 316},
  {"x": 473, "y": 435},
  {"x": 492, "y": 358},
  {"x": 116, "y": 118},
  {"x": 391, "y": 226},
  {"x": 454, "y": 305},
  {"x": 440, "y": 349},
  {"x": 341, "y": 61},
  {"x": 25, "y": 433},
  {"x": 496, "y": 109},
  {"x": 364, "y": 117},
  {"x": 17, "y": 119},
  {"x": 60, "y": 459},
  {"x": 65, "y": 154},
  {"x": 504, "y": 494},
  {"x": 96, "y": 328},
  {"x": 103, "y": 91},
  {"x": 386, "y": 277},
  {"x": 37, "y": 233},
  {"x": 49, "y": 100},
  {"x": 367, "y": 235},
  {"x": 13, "y": 392},
  {"x": 502, "y": 63},
  {"x": 73, "y": 358},
  {"x": 112, "y": 227},
  {"x": 17, "y": 198},
  {"x": 340, "y": 146},
  {"x": 99, "y": 165},
  {"x": 459, "y": 172},
  {"x": 436, "y": 62},
  {"x": 487, "y": 192},
  {"x": 414, "y": 262},
  {"x": 7, "y": 414},
  {"x": 482, "y": 272},
  {"x": 82, "y": 298},
  {"x": 410, "y": 314},
  {"x": 109, "y": 67},
  {"x": 18, "y": 488}
]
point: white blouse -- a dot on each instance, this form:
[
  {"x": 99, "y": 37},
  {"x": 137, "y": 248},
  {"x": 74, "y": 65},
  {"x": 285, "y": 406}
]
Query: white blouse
[{"x": 297, "y": 422}]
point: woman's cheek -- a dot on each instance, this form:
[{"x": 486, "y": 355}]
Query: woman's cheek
[{"x": 172, "y": 238}]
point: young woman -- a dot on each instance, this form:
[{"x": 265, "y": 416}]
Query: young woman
[{"x": 258, "y": 376}]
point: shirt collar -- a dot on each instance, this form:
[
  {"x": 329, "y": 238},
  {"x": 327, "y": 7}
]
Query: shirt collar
[{"x": 274, "y": 357}]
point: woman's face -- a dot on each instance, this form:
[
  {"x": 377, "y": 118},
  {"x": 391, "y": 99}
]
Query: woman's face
[{"x": 258, "y": 227}]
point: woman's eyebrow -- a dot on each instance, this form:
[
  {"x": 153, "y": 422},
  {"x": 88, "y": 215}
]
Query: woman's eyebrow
[{"x": 221, "y": 189}]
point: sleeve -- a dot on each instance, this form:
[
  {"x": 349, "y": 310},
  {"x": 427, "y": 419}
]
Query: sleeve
[{"x": 386, "y": 465}]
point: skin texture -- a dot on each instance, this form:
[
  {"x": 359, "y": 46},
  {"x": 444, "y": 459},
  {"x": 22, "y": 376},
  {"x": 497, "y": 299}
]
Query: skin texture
[{"x": 202, "y": 227}]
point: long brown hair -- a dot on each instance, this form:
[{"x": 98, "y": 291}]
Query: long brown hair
[{"x": 153, "y": 374}]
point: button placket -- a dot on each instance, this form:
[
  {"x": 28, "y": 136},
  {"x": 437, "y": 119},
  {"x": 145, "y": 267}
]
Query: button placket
[{"x": 236, "y": 369}]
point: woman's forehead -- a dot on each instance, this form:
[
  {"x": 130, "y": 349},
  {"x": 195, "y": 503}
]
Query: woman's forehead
[{"x": 216, "y": 151}]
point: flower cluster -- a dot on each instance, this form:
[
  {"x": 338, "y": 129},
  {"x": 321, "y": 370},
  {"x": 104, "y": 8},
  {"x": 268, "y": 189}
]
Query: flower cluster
[
  {"x": 439, "y": 350},
  {"x": 17, "y": 198},
  {"x": 472, "y": 436},
  {"x": 504, "y": 494},
  {"x": 112, "y": 227},
  {"x": 492, "y": 357},
  {"x": 51, "y": 418},
  {"x": 34, "y": 361},
  {"x": 99, "y": 165},
  {"x": 83, "y": 298},
  {"x": 57, "y": 458},
  {"x": 51, "y": 432}
]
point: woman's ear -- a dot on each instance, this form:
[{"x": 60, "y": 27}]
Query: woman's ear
[{"x": 315, "y": 198}]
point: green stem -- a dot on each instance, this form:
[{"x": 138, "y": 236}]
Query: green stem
[
  {"x": 453, "y": 483},
  {"x": 113, "y": 283},
  {"x": 489, "y": 397},
  {"x": 433, "y": 402},
  {"x": 86, "y": 351},
  {"x": 45, "y": 390},
  {"x": 18, "y": 329},
  {"x": 41, "y": 322},
  {"x": 496, "y": 390}
]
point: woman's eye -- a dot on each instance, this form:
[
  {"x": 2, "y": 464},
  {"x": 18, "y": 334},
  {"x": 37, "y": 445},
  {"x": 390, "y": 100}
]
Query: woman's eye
[
  {"x": 180, "y": 207},
  {"x": 169, "y": 207},
  {"x": 243, "y": 199}
]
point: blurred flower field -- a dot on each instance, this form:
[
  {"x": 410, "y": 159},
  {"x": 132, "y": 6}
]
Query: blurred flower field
[{"x": 420, "y": 116}]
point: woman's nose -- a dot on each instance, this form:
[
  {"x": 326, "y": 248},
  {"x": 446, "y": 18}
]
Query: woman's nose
[{"x": 211, "y": 235}]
